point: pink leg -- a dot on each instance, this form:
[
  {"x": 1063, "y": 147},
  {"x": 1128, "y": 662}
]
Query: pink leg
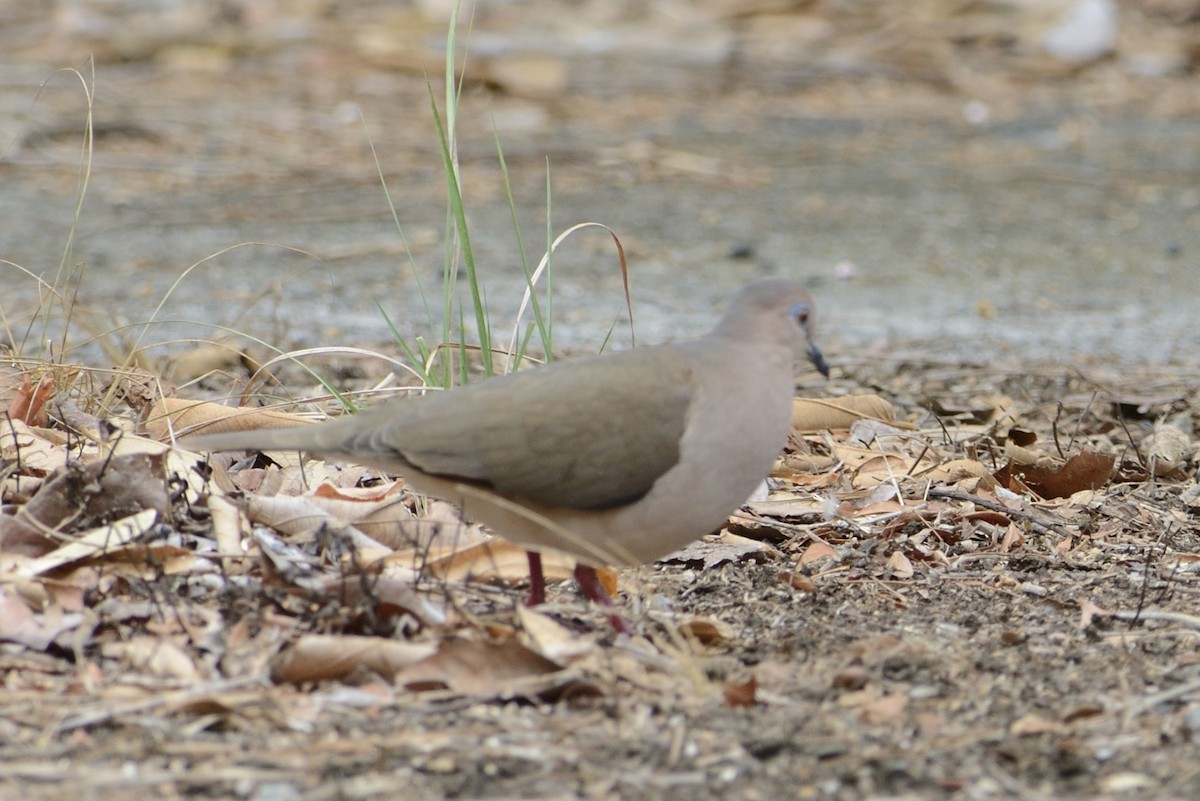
[
  {"x": 589, "y": 582},
  {"x": 537, "y": 579}
]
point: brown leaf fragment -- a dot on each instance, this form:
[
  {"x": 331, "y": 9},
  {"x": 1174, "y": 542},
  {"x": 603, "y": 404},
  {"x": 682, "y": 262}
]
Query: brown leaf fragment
[
  {"x": 84, "y": 493},
  {"x": 213, "y": 357},
  {"x": 546, "y": 636},
  {"x": 158, "y": 656},
  {"x": 28, "y": 403},
  {"x": 956, "y": 470},
  {"x": 1133, "y": 405},
  {"x": 388, "y": 597},
  {"x": 724, "y": 548},
  {"x": 1088, "y": 612},
  {"x": 1013, "y": 539},
  {"x": 706, "y": 631},
  {"x": 798, "y": 581},
  {"x": 1168, "y": 450},
  {"x": 19, "y": 624},
  {"x": 1083, "y": 712},
  {"x": 1087, "y": 470},
  {"x": 822, "y": 414},
  {"x": 899, "y": 566},
  {"x": 740, "y": 695},
  {"x": 496, "y": 560},
  {"x": 33, "y": 453},
  {"x": 180, "y": 417},
  {"x": 20, "y": 536},
  {"x": 104, "y": 541},
  {"x": 318, "y": 657},
  {"x": 1022, "y": 436},
  {"x": 478, "y": 668},
  {"x": 817, "y": 552},
  {"x": 851, "y": 677},
  {"x": 301, "y": 520},
  {"x": 885, "y": 708},
  {"x": 1031, "y": 724},
  {"x": 977, "y": 410}
]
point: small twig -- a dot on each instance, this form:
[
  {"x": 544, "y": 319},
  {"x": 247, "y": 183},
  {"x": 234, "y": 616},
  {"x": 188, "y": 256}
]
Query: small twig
[
  {"x": 1142, "y": 615},
  {"x": 1058, "y": 411},
  {"x": 1079, "y": 423},
  {"x": 1162, "y": 697},
  {"x": 1037, "y": 525},
  {"x": 917, "y": 461},
  {"x": 1132, "y": 444}
]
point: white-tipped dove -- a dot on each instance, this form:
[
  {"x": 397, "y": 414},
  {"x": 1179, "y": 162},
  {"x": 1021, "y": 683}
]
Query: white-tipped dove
[{"x": 617, "y": 459}]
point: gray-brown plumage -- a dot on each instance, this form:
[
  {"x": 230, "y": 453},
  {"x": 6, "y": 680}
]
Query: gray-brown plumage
[{"x": 616, "y": 459}]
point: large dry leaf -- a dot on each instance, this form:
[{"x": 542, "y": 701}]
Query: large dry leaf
[
  {"x": 1087, "y": 470},
  {"x": 158, "y": 656},
  {"x": 551, "y": 639},
  {"x": 318, "y": 657},
  {"x": 493, "y": 560},
  {"x": 182, "y": 417},
  {"x": 86, "y": 491},
  {"x": 29, "y": 449},
  {"x": 28, "y": 402},
  {"x": 480, "y": 669},
  {"x": 388, "y": 595},
  {"x": 725, "y": 547},
  {"x": 226, "y": 524},
  {"x": 19, "y": 624},
  {"x": 817, "y": 552},
  {"x": 782, "y": 506},
  {"x": 103, "y": 541},
  {"x": 823, "y": 414},
  {"x": 1168, "y": 450},
  {"x": 899, "y": 566},
  {"x": 301, "y": 519},
  {"x": 212, "y": 357}
]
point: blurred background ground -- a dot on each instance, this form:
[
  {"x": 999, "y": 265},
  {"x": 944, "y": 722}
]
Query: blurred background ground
[{"x": 980, "y": 177}]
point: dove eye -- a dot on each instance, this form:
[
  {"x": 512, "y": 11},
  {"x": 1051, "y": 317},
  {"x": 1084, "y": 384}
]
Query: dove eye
[{"x": 800, "y": 313}]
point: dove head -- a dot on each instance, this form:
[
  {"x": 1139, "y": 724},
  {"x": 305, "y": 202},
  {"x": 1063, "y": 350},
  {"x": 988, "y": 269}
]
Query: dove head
[{"x": 775, "y": 312}]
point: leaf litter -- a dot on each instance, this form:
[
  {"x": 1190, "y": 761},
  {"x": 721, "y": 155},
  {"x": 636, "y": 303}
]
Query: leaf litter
[{"x": 976, "y": 579}]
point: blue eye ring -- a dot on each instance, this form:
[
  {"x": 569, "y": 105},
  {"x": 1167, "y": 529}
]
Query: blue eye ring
[{"x": 800, "y": 313}]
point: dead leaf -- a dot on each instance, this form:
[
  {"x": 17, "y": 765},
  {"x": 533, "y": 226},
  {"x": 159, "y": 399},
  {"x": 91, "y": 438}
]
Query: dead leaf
[
  {"x": 19, "y": 624},
  {"x": 739, "y": 695},
  {"x": 724, "y": 548},
  {"x": 1088, "y": 612},
  {"x": 798, "y": 581},
  {"x": 1168, "y": 450},
  {"x": 319, "y": 657},
  {"x": 822, "y": 414},
  {"x": 817, "y": 552},
  {"x": 899, "y": 566},
  {"x": 885, "y": 708},
  {"x": 551, "y": 639},
  {"x": 106, "y": 541},
  {"x": 386, "y": 596},
  {"x": 28, "y": 403},
  {"x": 706, "y": 631},
  {"x": 178, "y": 417},
  {"x": 1014, "y": 539},
  {"x": 301, "y": 519},
  {"x": 158, "y": 656},
  {"x": 494, "y": 559},
  {"x": 1087, "y": 470},
  {"x": 1031, "y": 724},
  {"x": 478, "y": 668}
]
